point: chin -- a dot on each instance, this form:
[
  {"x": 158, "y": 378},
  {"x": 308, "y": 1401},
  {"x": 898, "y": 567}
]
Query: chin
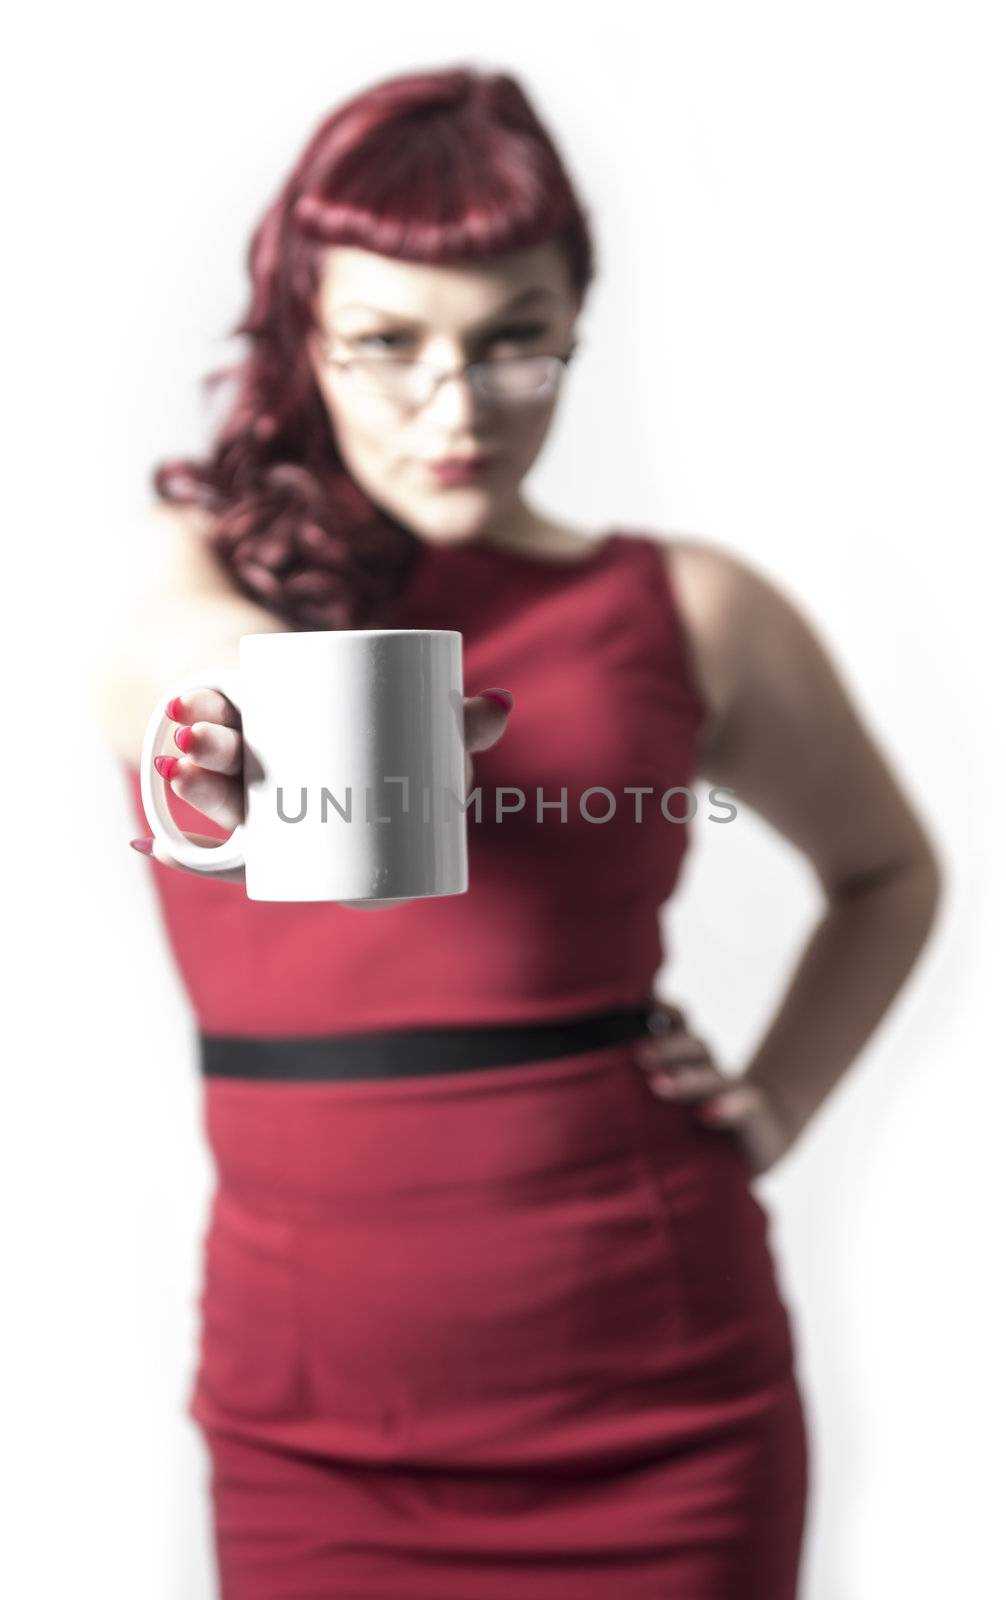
[{"x": 457, "y": 517}]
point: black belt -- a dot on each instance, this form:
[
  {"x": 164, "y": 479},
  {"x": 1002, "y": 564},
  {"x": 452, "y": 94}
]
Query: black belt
[{"x": 404, "y": 1052}]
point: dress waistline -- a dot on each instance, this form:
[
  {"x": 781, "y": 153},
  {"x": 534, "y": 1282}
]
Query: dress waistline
[{"x": 407, "y": 1052}]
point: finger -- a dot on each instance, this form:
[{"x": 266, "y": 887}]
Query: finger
[
  {"x": 210, "y": 745},
  {"x": 687, "y": 1083},
  {"x": 486, "y": 718},
  {"x": 731, "y": 1105},
  {"x": 672, "y": 1049},
  {"x": 218, "y": 797},
  {"x": 207, "y": 705}
]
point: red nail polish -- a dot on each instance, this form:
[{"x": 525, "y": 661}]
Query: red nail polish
[
  {"x": 145, "y": 846},
  {"x": 183, "y": 738},
  {"x": 173, "y": 709},
  {"x": 166, "y": 766},
  {"x": 502, "y": 697}
]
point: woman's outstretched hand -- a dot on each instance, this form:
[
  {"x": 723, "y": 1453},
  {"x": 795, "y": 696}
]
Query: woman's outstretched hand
[
  {"x": 680, "y": 1067},
  {"x": 207, "y": 772}
]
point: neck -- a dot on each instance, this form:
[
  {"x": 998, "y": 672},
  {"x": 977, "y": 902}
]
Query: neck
[{"x": 518, "y": 527}]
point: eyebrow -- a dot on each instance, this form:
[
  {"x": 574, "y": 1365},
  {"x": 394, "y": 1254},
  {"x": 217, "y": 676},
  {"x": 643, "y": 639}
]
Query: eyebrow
[{"x": 524, "y": 297}]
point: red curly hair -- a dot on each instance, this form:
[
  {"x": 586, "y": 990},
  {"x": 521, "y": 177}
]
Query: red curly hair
[{"x": 440, "y": 167}]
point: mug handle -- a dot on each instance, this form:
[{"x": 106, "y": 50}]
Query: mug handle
[{"x": 201, "y": 858}]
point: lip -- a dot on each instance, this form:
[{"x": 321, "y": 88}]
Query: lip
[{"x": 460, "y": 469}]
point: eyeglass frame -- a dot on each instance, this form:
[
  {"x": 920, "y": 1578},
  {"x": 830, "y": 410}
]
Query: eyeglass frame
[{"x": 346, "y": 363}]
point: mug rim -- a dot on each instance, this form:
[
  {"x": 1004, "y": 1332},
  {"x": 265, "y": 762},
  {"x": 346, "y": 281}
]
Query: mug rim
[{"x": 351, "y": 633}]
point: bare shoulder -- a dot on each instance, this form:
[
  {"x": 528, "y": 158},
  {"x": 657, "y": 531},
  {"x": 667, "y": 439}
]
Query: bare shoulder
[
  {"x": 188, "y": 562},
  {"x": 746, "y": 635},
  {"x": 717, "y": 597},
  {"x": 717, "y": 590},
  {"x": 788, "y": 735},
  {"x": 188, "y": 519}
]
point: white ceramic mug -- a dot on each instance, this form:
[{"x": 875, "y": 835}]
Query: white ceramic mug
[{"x": 354, "y": 766}]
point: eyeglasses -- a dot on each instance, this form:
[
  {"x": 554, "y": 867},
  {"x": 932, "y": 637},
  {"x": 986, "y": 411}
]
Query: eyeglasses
[{"x": 506, "y": 380}]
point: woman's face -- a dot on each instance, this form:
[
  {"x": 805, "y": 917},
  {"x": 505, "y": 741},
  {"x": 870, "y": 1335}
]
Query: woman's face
[{"x": 378, "y": 308}]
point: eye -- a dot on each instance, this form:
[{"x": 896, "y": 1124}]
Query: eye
[
  {"x": 381, "y": 341},
  {"x": 518, "y": 332}
]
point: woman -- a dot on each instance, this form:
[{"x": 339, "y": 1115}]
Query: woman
[{"x": 508, "y": 1328}]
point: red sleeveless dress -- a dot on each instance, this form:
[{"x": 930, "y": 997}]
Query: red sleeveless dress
[{"x": 511, "y": 1331}]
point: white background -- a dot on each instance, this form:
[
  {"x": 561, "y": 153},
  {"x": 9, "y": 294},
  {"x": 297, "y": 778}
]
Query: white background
[{"x": 795, "y": 348}]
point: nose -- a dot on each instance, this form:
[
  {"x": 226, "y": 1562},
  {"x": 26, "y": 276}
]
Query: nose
[{"x": 454, "y": 403}]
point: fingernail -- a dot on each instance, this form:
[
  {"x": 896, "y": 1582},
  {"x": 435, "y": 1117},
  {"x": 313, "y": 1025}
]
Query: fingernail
[
  {"x": 503, "y": 697},
  {"x": 166, "y": 766},
  {"x": 173, "y": 709},
  {"x": 183, "y": 737},
  {"x": 145, "y": 846}
]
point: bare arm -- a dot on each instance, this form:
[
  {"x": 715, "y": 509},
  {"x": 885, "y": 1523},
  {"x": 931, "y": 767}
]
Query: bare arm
[
  {"x": 192, "y": 619},
  {"x": 784, "y": 734},
  {"x": 191, "y": 616}
]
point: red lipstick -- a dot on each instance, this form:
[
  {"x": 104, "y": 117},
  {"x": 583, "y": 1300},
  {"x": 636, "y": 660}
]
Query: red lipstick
[{"x": 459, "y": 469}]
